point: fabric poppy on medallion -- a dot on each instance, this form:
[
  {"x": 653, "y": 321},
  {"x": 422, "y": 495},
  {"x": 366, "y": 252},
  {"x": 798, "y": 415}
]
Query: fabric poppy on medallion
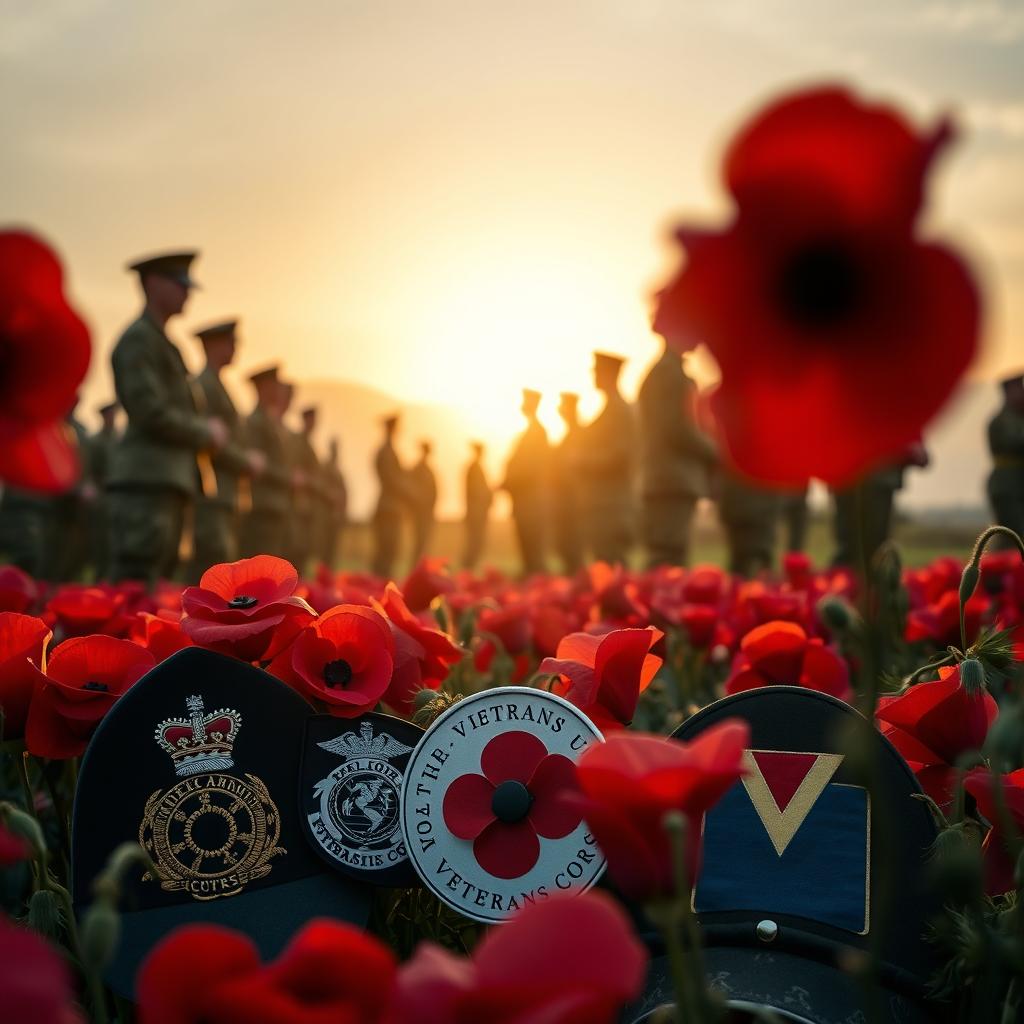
[
  {"x": 567, "y": 959},
  {"x": 524, "y": 792},
  {"x": 35, "y": 984},
  {"x": 23, "y": 642},
  {"x": 83, "y": 677},
  {"x": 605, "y": 675},
  {"x": 819, "y": 292},
  {"x": 44, "y": 351},
  {"x": 997, "y": 847},
  {"x": 933, "y": 724},
  {"x": 246, "y": 609},
  {"x": 329, "y": 972},
  {"x": 343, "y": 660},
  {"x": 632, "y": 780},
  {"x": 780, "y": 653}
]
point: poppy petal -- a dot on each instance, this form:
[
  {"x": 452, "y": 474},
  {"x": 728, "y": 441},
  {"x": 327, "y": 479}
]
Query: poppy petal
[
  {"x": 554, "y": 813},
  {"x": 507, "y": 851},
  {"x": 511, "y": 755},
  {"x": 467, "y": 806}
]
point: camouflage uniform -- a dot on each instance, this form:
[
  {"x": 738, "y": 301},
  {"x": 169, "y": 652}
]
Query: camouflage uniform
[{"x": 264, "y": 529}]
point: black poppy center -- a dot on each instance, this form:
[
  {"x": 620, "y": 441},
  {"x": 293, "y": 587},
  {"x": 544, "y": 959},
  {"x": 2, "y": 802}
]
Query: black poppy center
[
  {"x": 98, "y": 687},
  {"x": 511, "y": 802},
  {"x": 243, "y": 601},
  {"x": 821, "y": 284},
  {"x": 337, "y": 673}
]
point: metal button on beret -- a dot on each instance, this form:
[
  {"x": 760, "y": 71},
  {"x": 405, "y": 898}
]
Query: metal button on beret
[{"x": 199, "y": 763}]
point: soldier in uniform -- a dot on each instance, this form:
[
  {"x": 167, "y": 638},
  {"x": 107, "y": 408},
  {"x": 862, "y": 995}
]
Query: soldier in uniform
[
  {"x": 215, "y": 533},
  {"x": 749, "y": 516},
  {"x": 394, "y": 500},
  {"x": 99, "y": 449},
  {"x": 424, "y": 490},
  {"x": 153, "y": 468},
  {"x": 605, "y": 463},
  {"x": 264, "y": 528},
  {"x": 333, "y": 507},
  {"x": 526, "y": 480},
  {"x": 1006, "y": 442},
  {"x": 565, "y": 458},
  {"x": 676, "y": 459},
  {"x": 305, "y": 488},
  {"x": 478, "y": 506}
]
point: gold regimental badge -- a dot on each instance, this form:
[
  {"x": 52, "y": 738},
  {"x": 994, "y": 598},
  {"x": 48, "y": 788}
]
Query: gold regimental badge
[{"x": 211, "y": 834}]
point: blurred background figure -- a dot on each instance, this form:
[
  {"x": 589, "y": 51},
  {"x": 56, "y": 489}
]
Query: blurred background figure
[
  {"x": 305, "y": 491},
  {"x": 863, "y": 512},
  {"x": 216, "y": 522},
  {"x": 565, "y": 494},
  {"x": 100, "y": 448},
  {"x": 676, "y": 459},
  {"x": 153, "y": 468},
  {"x": 66, "y": 555},
  {"x": 423, "y": 485},
  {"x": 478, "y": 507},
  {"x": 526, "y": 480},
  {"x": 394, "y": 501},
  {"x": 264, "y": 526},
  {"x": 333, "y": 504},
  {"x": 749, "y": 517},
  {"x": 1006, "y": 443},
  {"x": 605, "y": 465},
  {"x": 795, "y": 514}
]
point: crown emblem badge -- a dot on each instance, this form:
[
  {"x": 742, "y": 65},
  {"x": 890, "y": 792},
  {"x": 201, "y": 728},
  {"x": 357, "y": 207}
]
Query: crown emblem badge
[{"x": 201, "y": 742}]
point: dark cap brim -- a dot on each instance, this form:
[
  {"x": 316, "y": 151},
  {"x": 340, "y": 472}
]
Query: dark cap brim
[
  {"x": 270, "y": 917},
  {"x": 798, "y": 989}
]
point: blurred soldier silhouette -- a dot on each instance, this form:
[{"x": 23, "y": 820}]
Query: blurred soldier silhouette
[
  {"x": 155, "y": 468},
  {"x": 100, "y": 447},
  {"x": 306, "y": 486},
  {"x": 423, "y": 484},
  {"x": 565, "y": 459},
  {"x": 749, "y": 515},
  {"x": 333, "y": 507},
  {"x": 66, "y": 554},
  {"x": 478, "y": 507},
  {"x": 863, "y": 512},
  {"x": 605, "y": 461},
  {"x": 1006, "y": 442},
  {"x": 676, "y": 459},
  {"x": 216, "y": 525},
  {"x": 264, "y": 526},
  {"x": 795, "y": 513},
  {"x": 526, "y": 480},
  {"x": 394, "y": 500}
]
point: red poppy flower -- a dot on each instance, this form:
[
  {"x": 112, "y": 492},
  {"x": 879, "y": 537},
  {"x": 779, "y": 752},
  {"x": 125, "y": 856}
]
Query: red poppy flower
[
  {"x": 35, "y": 984},
  {"x": 932, "y": 724},
  {"x": 522, "y": 794},
  {"x": 44, "y": 349},
  {"x": 422, "y": 654},
  {"x": 819, "y": 292},
  {"x": 81, "y": 610},
  {"x": 632, "y": 780},
  {"x": 344, "y": 659},
  {"x": 796, "y": 566},
  {"x": 247, "y": 609},
  {"x": 23, "y": 641},
  {"x": 426, "y": 581},
  {"x": 567, "y": 959},
  {"x": 160, "y": 634},
  {"x": 605, "y": 675},
  {"x": 83, "y": 677},
  {"x": 999, "y": 861},
  {"x": 781, "y": 653},
  {"x": 939, "y": 622},
  {"x": 18, "y": 591},
  {"x": 329, "y": 972}
]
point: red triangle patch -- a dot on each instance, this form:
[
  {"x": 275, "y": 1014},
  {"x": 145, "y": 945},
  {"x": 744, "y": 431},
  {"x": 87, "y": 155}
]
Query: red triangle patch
[{"x": 783, "y": 773}]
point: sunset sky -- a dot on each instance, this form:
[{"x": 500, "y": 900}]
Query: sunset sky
[{"x": 447, "y": 200}]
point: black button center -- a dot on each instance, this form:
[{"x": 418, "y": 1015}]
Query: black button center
[
  {"x": 242, "y": 601},
  {"x": 511, "y": 802},
  {"x": 337, "y": 673},
  {"x": 98, "y": 687}
]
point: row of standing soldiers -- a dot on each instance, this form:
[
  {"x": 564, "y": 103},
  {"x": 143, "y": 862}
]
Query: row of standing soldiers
[{"x": 247, "y": 485}]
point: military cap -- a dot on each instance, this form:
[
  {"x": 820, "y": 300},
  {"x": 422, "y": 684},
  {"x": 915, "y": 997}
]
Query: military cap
[
  {"x": 609, "y": 359},
  {"x": 223, "y": 329},
  {"x": 265, "y": 375},
  {"x": 110, "y": 407},
  {"x": 1014, "y": 380},
  {"x": 199, "y": 762},
  {"x": 530, "y": 395},
  {"x": 568, "y": 399},
  {"x": 174, "y": 265},
  {"x": 391, "y": 418},
  {"x": 803, "y": 871},
  {"x": 310, "y": 410}
]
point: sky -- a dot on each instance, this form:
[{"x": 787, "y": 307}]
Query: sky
[{"x": 449, "y": 201}]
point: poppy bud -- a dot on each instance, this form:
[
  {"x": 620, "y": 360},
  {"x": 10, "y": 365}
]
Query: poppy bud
[
  {"x": 44, "y": 913},
  {"x": 955, "y": 866},
  {"x": 972, "y": 676},
  {"x": 100, "y": 934},
  {"x": 835, "y": 613},
  {"x": 969, "y": 581},
  {"x": 25, "y": 826}
]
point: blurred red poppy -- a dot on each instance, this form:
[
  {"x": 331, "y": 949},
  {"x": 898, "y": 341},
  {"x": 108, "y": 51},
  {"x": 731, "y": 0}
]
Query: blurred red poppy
[
  {"x": 819, "y": 292},
  {"x": 81, "y": 610},
  {"x": 23, "y": 641},
  {"x": 45, "y": 349},
  {"x": 329, "y": 972},
  {"x": 83, "y": 677},
  {"x": 505, "y": 844},
  {"x": 18, "y": 591},
  {"x": 565, "y": 960},
  {"x": 939, "y": 622},
  {"x": 632, "y": 780},
  {"x": 247, "y": 609},
  {"x": 605, "y": 675},
  {"x": 35, "y": 983},
  {"x": 427, "y": 580},
  {"x": 999, "y": 860},
  {"x": 932, "y": 724},
  {"x": 780, "y": 653},
  {"x": 343, "y": 659},
  {"x": 160, "y": 634}
]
